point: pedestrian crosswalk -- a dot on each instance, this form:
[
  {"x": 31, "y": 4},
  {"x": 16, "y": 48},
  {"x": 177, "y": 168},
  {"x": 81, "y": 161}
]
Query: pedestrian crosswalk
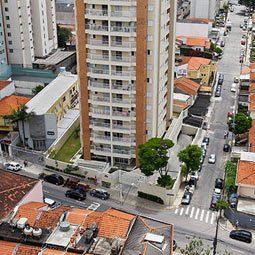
[{"x": 196, "y": 213}]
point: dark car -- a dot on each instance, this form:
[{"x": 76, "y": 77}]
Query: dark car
[
  {"x": 174, "y": 245},
  {"x": 241, "y": 235},
  {"x": 206, "y": 140},
  {"x": 221, "y": 79},
  {"x": 222, "y": 44},
  {"x": 76, "y": 194},
  {"x": 217, "y": 93},
  {"x": 233, "y": 199},
  {"x": 226, "y": 147},
  {"x": 100, "y": 193},
  {"x": 186, "y": 198},
  {"x": 214, "y": 201},
  {"x": 219, "y": 183},
  {"x": 54, "y": 179}
]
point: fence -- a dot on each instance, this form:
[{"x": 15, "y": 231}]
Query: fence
[{"x": 244, "y": 220}]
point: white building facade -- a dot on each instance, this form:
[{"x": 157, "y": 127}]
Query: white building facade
[
  {"x": 30, "y": 29},
  {"x": 204, "y": 8},
  {"x": 126, "y": 72}
]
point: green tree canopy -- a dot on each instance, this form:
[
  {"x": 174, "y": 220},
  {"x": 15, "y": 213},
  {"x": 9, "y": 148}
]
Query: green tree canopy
[
  {"x": 241, "y": 124},
  {"x": 37, "y": 89},
  {"x": 230, "y": 183},
  {"x": 191, "y": 156},
  {"x": 63, "y": 36},
  {"x": 247, "y": 3},
  {"x": 153, "y": 156}
]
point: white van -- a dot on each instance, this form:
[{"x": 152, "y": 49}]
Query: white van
[{"x": 233, "y": 88}]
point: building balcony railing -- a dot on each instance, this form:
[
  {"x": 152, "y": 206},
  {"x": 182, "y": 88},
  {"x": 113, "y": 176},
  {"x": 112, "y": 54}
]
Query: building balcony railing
[
  {"x": 101, "y": 149},
  {"x": 100, "y": 111},
  {"x": 99, "y": 85},
  {"x": 97, "y": 12},
  {"x": 98, "y": 57},
  {"x": 97, "y": 27},
  {"x": 128, "y": 87},
  {"x": 125, "y": 152},
  {"x": 100, "y": 99},
  {"x": 123, "y": 59},
  {"x": 124, "y": 73},
  {"x": 101, "y": 137},
  {"x": 123, "y": 114},
  {"x": 123, "y": 139},
  {"x": 123, "y": 29},
  {"x": 98, "y": 70},
  {"x": 123, "y": 44},
  {"x": 100, "y": 124},
  {"x": 123, "y": 101},
  {"x": 98, "y": 42},
  {"x": 123, "y": 14}
]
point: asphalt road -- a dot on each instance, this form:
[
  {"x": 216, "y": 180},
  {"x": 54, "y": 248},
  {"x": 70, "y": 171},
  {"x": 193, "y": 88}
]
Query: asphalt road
[{"x": 230, "y": 67}]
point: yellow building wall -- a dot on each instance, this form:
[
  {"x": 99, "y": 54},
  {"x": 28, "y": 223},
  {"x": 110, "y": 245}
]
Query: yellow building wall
[{"x": 3, "y": 126}]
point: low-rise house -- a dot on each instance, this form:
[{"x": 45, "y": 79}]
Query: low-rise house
[
  {"x": 17, "y": 190},
  {"x": 49, "y": 107},
  {"x": 245, "y": 177},
  {"x": 196, "y": 68},
  {"x": 8, "y": 105},
  {"x": 66, "y": 230},
  {"x": 7, "y": 88},
  {"x": 197, "y": 43}
]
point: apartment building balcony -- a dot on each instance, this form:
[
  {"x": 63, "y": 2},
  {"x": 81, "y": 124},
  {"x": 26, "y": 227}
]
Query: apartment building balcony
[
  {"x": 123, "y": 153},
  {"x": 101, "y": 44},
  {"x": 99, "y": 99},
  {"x": 113, "y": 2},
  {"x": 130, "y": 59},
  {"x": 99, "y": 113},
  {"x": 123, "y": 29},
  {"x": 127, "y": 45},
  {"x": 94, "y": 27},
  {"x": 96, "y": 58},
  {"x": 96, "y": 13},
  {"x": 124, "y": 87},
  {"x": 123, "y": 127},
  {"x": 125, "y": 140},
  {"x": 96, "y": 70},
  {"x": 127, "y": 101},
  {"x": 95, "y": 84},
  {"x": 103, "y": 151},
  {"x": 123, "y": 14},
  {"x": 124, "y": 74},
  {"x": 101, "y": 138},
  {"x": 100, "y": 124}
]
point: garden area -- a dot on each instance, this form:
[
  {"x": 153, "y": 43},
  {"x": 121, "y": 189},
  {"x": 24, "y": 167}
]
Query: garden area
[
  {"x": 70, "y": 147},
  {"x": 230, "y": 184}
]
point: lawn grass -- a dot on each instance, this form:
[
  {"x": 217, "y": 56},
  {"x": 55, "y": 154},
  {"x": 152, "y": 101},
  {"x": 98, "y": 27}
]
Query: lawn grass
[{"x": 69, "y": 149}]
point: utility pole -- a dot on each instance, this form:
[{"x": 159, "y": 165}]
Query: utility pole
[{"x": 215, "y": 240}]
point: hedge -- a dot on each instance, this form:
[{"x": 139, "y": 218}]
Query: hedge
[{"x": 150, "y": 197}]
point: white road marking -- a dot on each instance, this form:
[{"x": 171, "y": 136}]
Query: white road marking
[
  {"x": 192, "y": 212},
  {"x": 176, "y": 211},
  {"x": 187, "y": 211},
  {"x": 202, "y": 215},
  {"x": 212, "y": 218},
  {"x": 181, "y": 212},
  {"x": 207, "y": 217},
  {"x": 94, "y": 206},
  {"x": 196, "y": 217}
]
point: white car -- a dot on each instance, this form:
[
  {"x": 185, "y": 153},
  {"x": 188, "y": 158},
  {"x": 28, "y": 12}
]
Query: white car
[
  {"x": 233, "y": 88},
  {"x": 217, "y": 191},
  {"x": 13, "y": 166},
  {"x": 236, "y": 79},
  {"x": 212, "y": 159}
]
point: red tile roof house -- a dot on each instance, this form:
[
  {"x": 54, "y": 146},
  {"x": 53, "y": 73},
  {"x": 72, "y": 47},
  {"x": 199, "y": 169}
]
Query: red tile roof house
[
  {"x": 16, "y": 190},
  {"x": 197, "y": 43},
  {"x": 245, "y": 176}
]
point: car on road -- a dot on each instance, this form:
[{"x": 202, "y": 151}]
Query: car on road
[
  {"x": 100, "y": 193},
  {"x": 241, "y": 235},
  {"x": 217, "y": 192},
  {"x": 222, "y": 44},
  {"x": 203, "y": 152},
  {"x": 186, "y": 198},
  {"x": 233, "y": 88},
  {"x": 233, "y": 200},
  {"x": 226, "y": 147},
  {"x": 206, "y": 140},
  {"x": 76, "y": 194},
  {"x": 212, "y": 159},
  {"x": 214, "y": 201},
  {"x": 219, "y": 183},
  {"x": 218, "y": 92},
  {"x": 54, "y": 179},
  {"x": 174, "y": 245},
  {"x": 13, "y": 166},
  {"x": 236, "y": 79},
  {"x": 221, "y": 79}
]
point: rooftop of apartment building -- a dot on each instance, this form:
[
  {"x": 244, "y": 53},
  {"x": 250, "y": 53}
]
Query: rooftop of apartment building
[
  {"x": 12, "y": 192},
  {"x": 11, "y": 103},
  {"x": 46, "y": 98},
  {"x": 69, "y": 230}
]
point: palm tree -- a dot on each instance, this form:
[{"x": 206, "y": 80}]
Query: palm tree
[{"x": 18, "y": 115}]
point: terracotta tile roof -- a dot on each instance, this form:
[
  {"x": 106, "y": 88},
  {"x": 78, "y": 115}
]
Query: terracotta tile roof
[
  {"x": 196, "y": 62},
  {"x": 180, "y": 104},
  {"x": 252, "y": 77},
  {"x": 7, "y": 248},
  {"x": 252, "y": 102},
  {"x": 3, "y": 84},
  {"x": 31, "y": 211},
  {"x": 187, "y": 86},
  {"x": 27, "y": 250},
  {"x": 112, "y": 223},
  {"x": 252, "y": 87},
  {"x": 246, "y": 173},
  {"x": 252, "y": 137},
  {"x": 49, "y": 219},
  {"x": 10, "y": 103},
  {"x": 53, "y": 252},
  {"x": 195, "y": 41},
  {"x": 252, "y": 66},
  {"x": 13, "y": 188},
  {"x": 182, "y": 60},
  {"x": 245, "y": 70}
]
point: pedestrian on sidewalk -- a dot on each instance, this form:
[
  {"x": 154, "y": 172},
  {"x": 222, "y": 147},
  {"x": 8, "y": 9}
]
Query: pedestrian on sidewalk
[
  {"x": 237, "y": 224},
  {"x": 25, "y": 163}
]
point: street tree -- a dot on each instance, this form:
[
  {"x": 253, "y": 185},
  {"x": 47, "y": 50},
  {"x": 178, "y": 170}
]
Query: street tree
[
  {"x": 64, "y": 35},
  {"x": 230, "y": 183},
  {"x": 241, "y": 123},
  {"x": 190, "y": 156},
  {"x": 248, "y": 3},
  {"x": 153, "y": 156},
  {"x": 20, "y": 115}
]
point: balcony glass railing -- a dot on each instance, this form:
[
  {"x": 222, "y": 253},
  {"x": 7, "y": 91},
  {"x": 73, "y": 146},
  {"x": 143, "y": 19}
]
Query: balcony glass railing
[
  {"x": 123, "y": 44},
  {"x": 100, "y": 99},
  {"x": 99, "y": 85},
  {"x": 123, "y": 29},
  {"x": 98, "y": 70},
  {"x": 97, "y": 12},
  {"x": 97, "y": 27},
  {"x": 123, "y": 14}
]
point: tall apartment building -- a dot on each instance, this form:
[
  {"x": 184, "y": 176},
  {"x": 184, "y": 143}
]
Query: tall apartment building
[
  {"x": 30, "y": 29},
  {"x": 125, "y": 65},
  {"x": 204, "y": 8},
  {"x": 4, "y": 64}
]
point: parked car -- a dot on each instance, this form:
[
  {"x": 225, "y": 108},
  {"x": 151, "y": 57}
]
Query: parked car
[
  {"x": 241, "y": 235},
  {"x": 222, "y": 44},
  {"x": 76, "y": 194},
  {"x": 217, "y": 191},
  {"x": 219, "y": 183},
  {"x": 214, "y": 201},
  {"x": 206, "y": 140},
  {"x": 218, "y": 92},
  {"x": 186, "y": 198},
  {"x": 233, "y": 199},
  {"x": 204, "y": 126},
  {"x": 203, "y": 152},
  {"x": 190, "y": 189},
  {"x": 236, "y": 79},
  {"x": 100, "y": 193},
  {"x": 226, "y": 147},
  {"x": 243, "y": 42},
  {"x": 174, "y": 245},
  {"x": 54, "y": 179},
  {"x": 225, "y": 33},
  {"x": 212, "y": 159},
  {"x": 233, "y": 88},
  {"x": 13, "y": 166},
  {"x": 221, "y": 79}
]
